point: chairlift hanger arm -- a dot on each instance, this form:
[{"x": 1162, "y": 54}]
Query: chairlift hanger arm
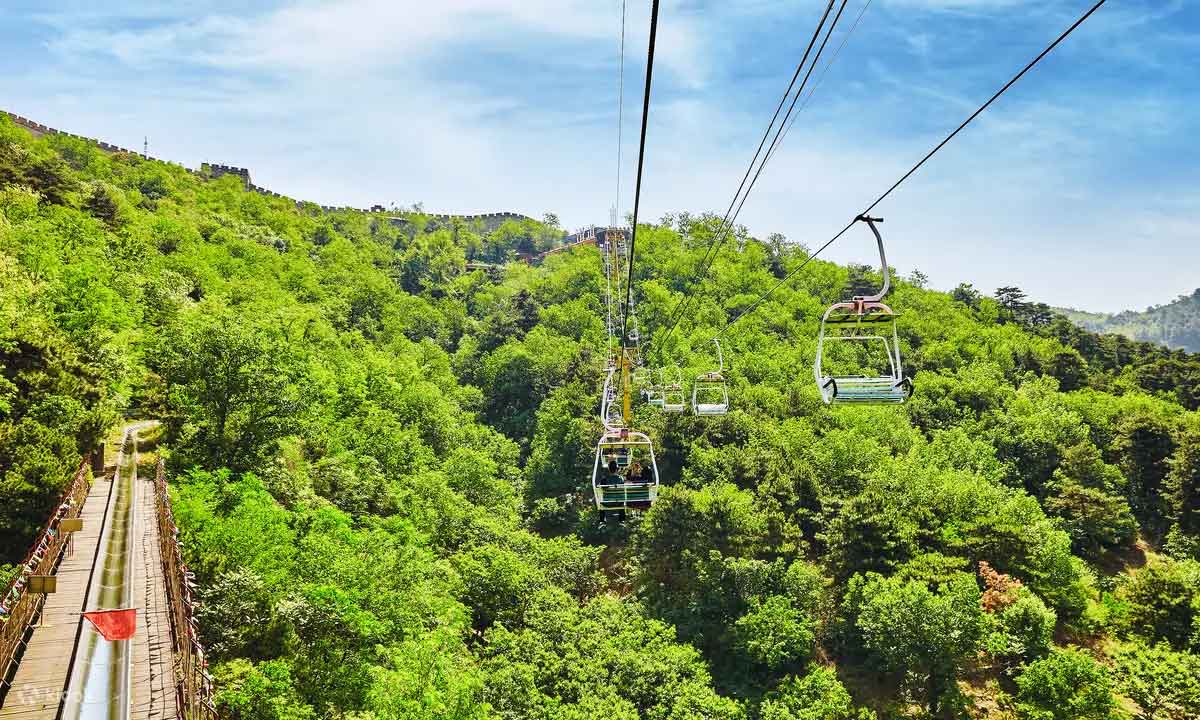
[{"x": 887, "y": 275}]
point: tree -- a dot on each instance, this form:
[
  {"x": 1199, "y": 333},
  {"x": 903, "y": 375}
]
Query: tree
[
  {"x": 1094, "y": 519},
  {"x": 49, "y": 176},
  {"x": 233, "y": 389},
  {"x": 1069, "y": 368},
  {"x": 1183, "y": 483},
  {"x": 819, "y": 695},
  {"x": 104, "y": 203},
  {"x": 1083, "y": 464},
  {"x": 565, "y": 653},
  {"x": 775, "y": 633},
  {"x": 430, "y": 263},
  {"x": 859, "y": 282},
  {"x": 499, "y": 584},
  {"x": 871, "y": 533},
  {"x": 777, "y": 245},
  {"x": 718, "y": 518},
  {"x": 1038, "y": 315},
  {"x": 1143, "y": 446},
  {"x": 1067, "y": 685},
  {"x": 1022, "y": 626},
  {"x": 1013, "y": 303},
  {"x": 431, "y": 677},
  {"x": 263, "y": 691},
  {"x": 235, "y": 612},
  {"x": 1163, "y": 600},
  {"x": 966, "y": 294},
  {"x": 1164, "y": 683},
  {"x": 906, "y": 627}
]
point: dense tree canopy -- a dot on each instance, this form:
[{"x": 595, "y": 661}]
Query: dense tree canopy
[{"x": 380, "y": 436}]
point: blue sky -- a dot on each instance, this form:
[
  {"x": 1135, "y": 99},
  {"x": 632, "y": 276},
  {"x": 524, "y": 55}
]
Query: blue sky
[{"x": 1081, "y": 184}]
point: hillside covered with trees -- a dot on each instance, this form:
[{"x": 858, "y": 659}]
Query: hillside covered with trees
[
  {"x": 380, "y": 464},
  {"x": 1175, "y": 324}
]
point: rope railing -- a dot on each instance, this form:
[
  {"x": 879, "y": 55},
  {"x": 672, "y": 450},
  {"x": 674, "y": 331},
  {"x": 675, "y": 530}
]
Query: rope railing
[
  {"x": 193, "y": 684},
  {"x": 19, "y": 608}
]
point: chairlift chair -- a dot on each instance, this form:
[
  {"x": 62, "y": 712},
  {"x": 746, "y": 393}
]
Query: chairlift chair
[
  {"x": 625, "y": 447},
  {"x": 654, "y": 391},
  {"x": 710, "y": 396},
  {"x": 867, "y": 320},
  {"x": 640, "y": 377},
  {"x": 674, "y": 398},
  {"x": 610, "y": 407}
]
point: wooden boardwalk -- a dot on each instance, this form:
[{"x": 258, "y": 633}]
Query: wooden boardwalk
[
  {"x": 40, "y": 685},
  {"x": 153, "y": 684}
]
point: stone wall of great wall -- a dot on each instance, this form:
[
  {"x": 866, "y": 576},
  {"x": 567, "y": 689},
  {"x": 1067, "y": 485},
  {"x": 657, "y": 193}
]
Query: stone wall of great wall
[{"x": 216, "y": 170}]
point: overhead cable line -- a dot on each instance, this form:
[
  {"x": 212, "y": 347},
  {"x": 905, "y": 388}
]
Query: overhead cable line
[
  {"x": 637, "y": 193},
  {"x": 729, "y": 220},
  {"x": 726, "y": 221},
  {"x": 825, "y": 70},
  {"x": 791, "y": 109},
  {"x": 620, "y": 111},
  {"x": 916, "y": 167},
  {"x": 682, "y": 304}
]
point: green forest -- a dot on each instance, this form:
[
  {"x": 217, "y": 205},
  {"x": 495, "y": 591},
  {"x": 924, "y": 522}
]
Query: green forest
[
  {"x": 1175, "y": 324},
  {"x": 380, "y": 463}
]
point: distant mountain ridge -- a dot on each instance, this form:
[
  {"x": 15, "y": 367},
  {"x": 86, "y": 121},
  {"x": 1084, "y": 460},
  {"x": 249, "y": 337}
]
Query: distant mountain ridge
[{"x": 1175, "y": 324}]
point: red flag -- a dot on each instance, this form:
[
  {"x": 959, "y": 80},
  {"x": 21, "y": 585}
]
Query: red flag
[{"x": 114, "y": 624}]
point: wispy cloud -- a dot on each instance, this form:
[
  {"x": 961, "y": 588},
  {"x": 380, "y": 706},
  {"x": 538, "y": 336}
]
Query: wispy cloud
[{"x": 473, "y": 105}]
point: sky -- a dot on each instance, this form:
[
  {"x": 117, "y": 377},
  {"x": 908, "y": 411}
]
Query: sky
[{"x": 1080, "y": 185}]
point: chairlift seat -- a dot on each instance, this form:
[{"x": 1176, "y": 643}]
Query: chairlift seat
[
  {"x": 866, "y": 390},
  {"x": 636, "y": 496},
  {"x": 670, "y": 396}
]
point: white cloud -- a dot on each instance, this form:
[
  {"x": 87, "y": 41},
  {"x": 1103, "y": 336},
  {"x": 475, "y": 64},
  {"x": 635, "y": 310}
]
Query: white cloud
[
  {"x": 355, "y": 36},
  {"x": 369, "y": 101}
]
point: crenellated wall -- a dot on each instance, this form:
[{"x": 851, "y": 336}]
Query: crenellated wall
[{"x": 216, "y": 170}]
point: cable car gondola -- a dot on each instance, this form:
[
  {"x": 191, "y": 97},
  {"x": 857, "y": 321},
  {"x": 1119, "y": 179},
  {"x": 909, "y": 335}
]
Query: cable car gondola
[
  {"x": 866, "y": 320},
  {"x": 710, "y": 396}
]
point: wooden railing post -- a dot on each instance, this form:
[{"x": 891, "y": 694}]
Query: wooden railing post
[
  {"x": 193, "y": 685},
  {"x": 18, "y": 608}
]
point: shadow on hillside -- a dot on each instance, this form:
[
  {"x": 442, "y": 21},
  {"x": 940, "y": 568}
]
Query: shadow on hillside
[{"x": 1125, "y": 560}]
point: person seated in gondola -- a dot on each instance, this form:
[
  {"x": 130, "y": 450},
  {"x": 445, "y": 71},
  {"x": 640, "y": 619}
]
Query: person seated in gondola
[
  {"x": 614, "y": 474},
  {"x": 634, "y": 473}
]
